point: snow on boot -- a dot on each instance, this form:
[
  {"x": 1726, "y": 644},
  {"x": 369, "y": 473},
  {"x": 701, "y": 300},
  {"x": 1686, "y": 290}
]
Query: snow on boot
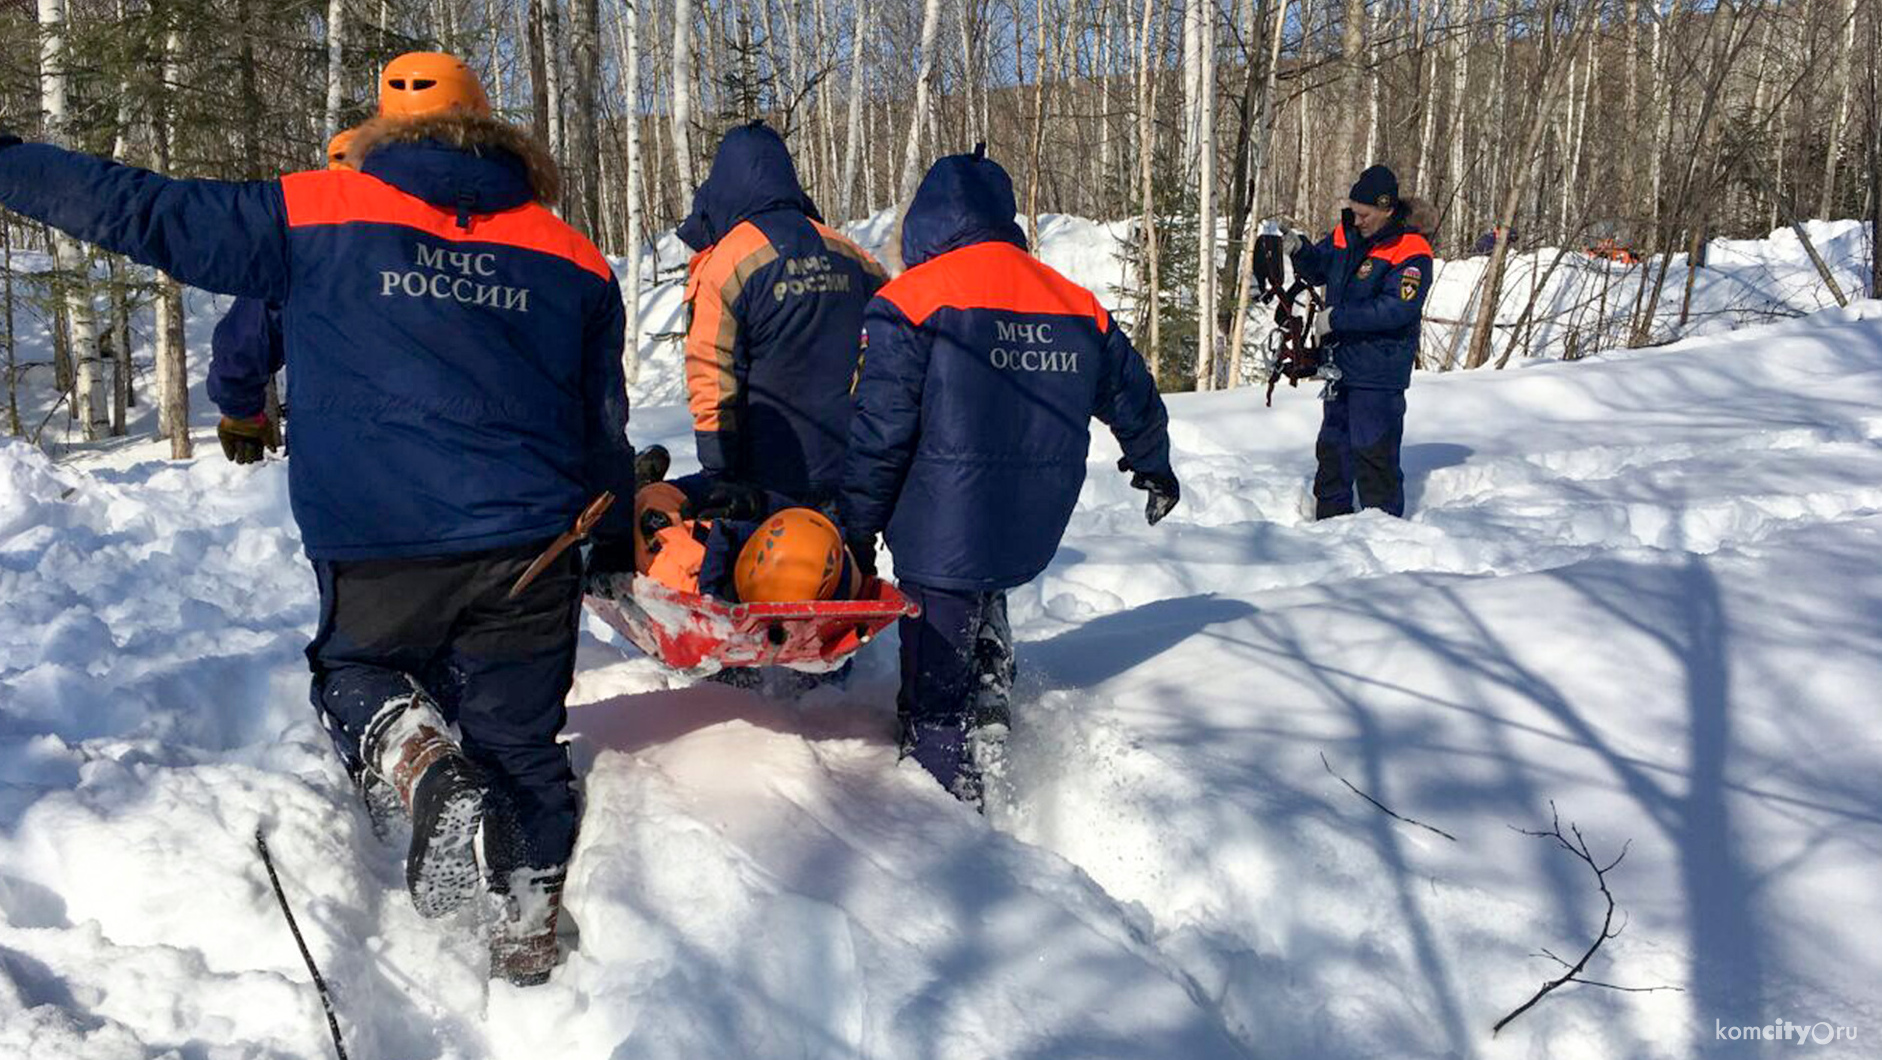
[
  {"x": 410, "y": 749},
  {"x": 941, "y": 749},
  {"x": 527, "y": 905},
  {"x": 382, "y": 803},
  {"x": 986, "y": 761}
]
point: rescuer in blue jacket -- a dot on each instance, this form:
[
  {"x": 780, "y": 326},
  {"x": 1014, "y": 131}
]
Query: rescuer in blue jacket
[
  {"x": 1376, "y": 267},
  {"x": 969, "y": 443},
  {"x": 247, "y": 349},
  {"x": 454, "y": 359},
  {"x": 776, "y": 299}
]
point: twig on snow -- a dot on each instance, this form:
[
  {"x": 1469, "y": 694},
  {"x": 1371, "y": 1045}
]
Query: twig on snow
[
  {"x": 1578, "y": 846},
  {"x": 1383, "y": 808}
]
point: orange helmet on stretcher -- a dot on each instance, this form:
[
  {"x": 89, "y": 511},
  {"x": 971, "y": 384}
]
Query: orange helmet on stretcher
[{"x": 796, "y": 555}]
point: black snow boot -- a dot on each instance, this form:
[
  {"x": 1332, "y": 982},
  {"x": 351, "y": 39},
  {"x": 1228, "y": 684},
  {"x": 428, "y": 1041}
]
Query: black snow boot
[
  {"x": 527, "y": 904},
  {"x": 410, "y": 749}
]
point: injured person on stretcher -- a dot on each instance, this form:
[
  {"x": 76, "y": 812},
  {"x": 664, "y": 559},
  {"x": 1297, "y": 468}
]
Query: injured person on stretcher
[{"x": 750, "y": 548}]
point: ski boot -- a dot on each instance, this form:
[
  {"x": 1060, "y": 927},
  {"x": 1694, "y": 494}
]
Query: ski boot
[
  {"x": 409, "y": 749},
  {"x": 527, "y": 906}
]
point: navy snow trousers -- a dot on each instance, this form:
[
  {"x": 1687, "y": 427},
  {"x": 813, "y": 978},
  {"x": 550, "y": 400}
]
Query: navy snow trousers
[
  {"x": 1360, "y": 434},
  {"x": 499, "y": 668},
  {"x": 957, "y": 674}
]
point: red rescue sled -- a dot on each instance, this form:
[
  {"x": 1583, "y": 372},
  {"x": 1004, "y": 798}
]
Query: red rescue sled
[{"x": 701, "y": 635}]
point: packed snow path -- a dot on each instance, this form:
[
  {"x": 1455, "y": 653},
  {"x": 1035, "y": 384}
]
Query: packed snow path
[{"x": 1644, "y": 589}]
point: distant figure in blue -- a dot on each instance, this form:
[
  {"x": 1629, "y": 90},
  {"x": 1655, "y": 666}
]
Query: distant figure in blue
[{"x": 1376, "y": 267}]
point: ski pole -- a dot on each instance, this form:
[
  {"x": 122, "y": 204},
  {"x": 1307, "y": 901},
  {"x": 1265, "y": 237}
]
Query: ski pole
[{"x": 326, "y": 1000}]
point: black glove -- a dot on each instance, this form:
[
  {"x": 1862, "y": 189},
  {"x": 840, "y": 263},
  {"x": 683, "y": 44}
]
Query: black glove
[
  {"x": 863, "y": 550},
  {"x": 7, "y": 139},
  {"x": 612, "y": 554},
  {"x": 1164, "y": 492},
  {"x": 737, "y": 501},
  {"x": 651, "y": 465},
  {"x": 243, "y": 440}
]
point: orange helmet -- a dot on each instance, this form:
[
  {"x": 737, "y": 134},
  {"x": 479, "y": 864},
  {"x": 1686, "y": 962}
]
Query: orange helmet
[
  {"x": 337, "y": 149},
  {"x": 663, "y": 501},
  {"x": 421, "y": 84},
  {"x": 796, "y": 555}
]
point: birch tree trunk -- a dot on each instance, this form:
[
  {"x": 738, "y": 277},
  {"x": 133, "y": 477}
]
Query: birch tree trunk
[
  {"x": 1208, "y": 324},
  {"x": 538, "y": 70},
  {"x": 14, "y": 426},
  {"x": 1839, "y": 87},
  {"x": 1264, "y": 135},
  {"x": 631, "y": 76},
  {"x": 585, "y": 51},
  {"x": 911, "y": 161},
  {"x": 1042, "y": 76},
  {"x": 555, "y": 76},
  {"x": 1151, "y": 322},
  {"x": 68, "y": 256},
  {"x": 336, "y": 69},
  {"x": 1456, "y": 187},
  {"x": 682, "y": 124},
  {"x": 853, "y": 132},
  {"x": 1354, "y": 98},
  {"x": 173, "y": 400}
]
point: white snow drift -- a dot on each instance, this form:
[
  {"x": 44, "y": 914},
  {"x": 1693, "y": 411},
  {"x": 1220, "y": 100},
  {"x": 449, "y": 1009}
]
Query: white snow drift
[{"x": 1640, "y": 589}]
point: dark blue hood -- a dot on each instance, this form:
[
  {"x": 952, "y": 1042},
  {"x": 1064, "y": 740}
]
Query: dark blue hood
[
  {"x": 471, "y": 181},
  {"x": 752, "y": 174},
  {"x": 964, "y": 199}
]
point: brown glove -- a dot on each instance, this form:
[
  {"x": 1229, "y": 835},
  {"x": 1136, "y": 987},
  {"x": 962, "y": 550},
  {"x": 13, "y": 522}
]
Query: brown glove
[{"x": 243, "y": 440}]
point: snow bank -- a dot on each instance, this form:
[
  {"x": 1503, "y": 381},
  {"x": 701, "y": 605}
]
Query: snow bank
[{"x": 1640, "y": 587}]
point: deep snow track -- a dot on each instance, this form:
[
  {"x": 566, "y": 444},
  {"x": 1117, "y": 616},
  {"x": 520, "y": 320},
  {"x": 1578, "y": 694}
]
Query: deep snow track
[{"x": 1642, "y": 588}]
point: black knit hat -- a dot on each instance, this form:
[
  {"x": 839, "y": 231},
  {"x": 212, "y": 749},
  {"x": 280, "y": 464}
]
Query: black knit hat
[{"x": 1377, "y": 186}]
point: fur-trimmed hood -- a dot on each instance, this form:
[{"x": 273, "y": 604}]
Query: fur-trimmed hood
[
  {"x": 459, "y": 160},
  {"x": 1418, "y": 215}
]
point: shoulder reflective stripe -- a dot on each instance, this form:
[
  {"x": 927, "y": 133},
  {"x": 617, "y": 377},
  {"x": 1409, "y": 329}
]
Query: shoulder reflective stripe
[
  {"x": 838, "y": 243},
  {"x": 712, "y": 337},
  {"x": 1405, "y": 247},
  {"x": 1339, "y": 236},
  {"x": 990, "y": 276},
  {"x": 339, "y": 197}
]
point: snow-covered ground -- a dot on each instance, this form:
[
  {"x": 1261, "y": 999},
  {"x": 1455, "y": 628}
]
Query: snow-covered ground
[{"x": 1642, "y": 588}]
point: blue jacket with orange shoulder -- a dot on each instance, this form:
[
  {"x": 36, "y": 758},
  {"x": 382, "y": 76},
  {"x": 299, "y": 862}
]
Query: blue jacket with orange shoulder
[
  {"x": 453, "y": 350},
  {"x": 974, "y": 407},
  {"x": 245, "y": 351},
  {"x": 777, "y": 316},
  {"x": 1376, "y": 296}
]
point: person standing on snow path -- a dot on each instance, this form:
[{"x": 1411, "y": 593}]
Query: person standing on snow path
[
  {"x": 454, "y": 352},
  {"x": 246, "y": 350},
  {"x": 776, "y": 317},
  {"x": 1376, "y": 267},
  {"x": 968, "y": 448}
]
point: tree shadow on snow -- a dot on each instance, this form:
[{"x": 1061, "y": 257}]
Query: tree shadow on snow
[{"x": 1095, "y": 651}]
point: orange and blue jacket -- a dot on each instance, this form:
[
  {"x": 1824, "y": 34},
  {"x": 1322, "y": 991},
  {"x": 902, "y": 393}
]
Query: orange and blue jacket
[
  {"x": 776, "y": 300},
  {"x": 1376, "y": 290},
  {"x": 453, "y": 350},
  {"x": 973, "y": 412}
]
